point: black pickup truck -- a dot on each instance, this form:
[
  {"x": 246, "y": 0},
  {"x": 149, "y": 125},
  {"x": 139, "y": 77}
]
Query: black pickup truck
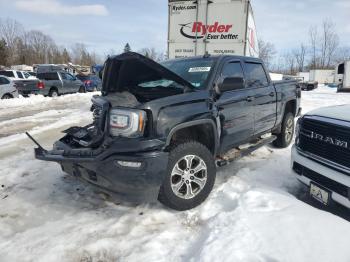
[{"x": 163, "y": 129}]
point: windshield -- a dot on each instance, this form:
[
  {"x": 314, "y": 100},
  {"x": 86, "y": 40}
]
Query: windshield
[{"x": 195, "y": 71}]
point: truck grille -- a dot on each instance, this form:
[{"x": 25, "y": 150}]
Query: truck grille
[{"x": 326, "y": 140}]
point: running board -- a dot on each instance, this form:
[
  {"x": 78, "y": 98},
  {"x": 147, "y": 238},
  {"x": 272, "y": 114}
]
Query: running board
[{"x": 238, "y": 153}]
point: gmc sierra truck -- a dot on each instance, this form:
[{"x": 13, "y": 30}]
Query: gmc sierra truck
[
  {"x": 320, "y": 156},
  {"x": 161, "y": 130}
]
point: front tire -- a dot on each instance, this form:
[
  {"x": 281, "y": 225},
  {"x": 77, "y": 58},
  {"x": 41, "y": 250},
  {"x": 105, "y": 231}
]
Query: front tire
[
  {"x": 285, "y": 138},
  {"x": 190, "y": 176},
  {"x": 53, "y": 93},
  {"x": 6, "y": 96},
  {"x": 82, "y": 89}
]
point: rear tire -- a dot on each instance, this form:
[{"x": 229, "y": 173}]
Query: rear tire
[
  {"x": 190, "y": 176},
  {"x": 6, "y": 96},
  {"x": 82, "y": 89},
  {"x": 53, "y": 93},
  {"x": 285, "y": 138}
]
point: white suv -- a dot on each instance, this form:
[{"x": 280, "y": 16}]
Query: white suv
[
  {"x": 18, "y": 75},
  {"x": 7, "y": 88}
]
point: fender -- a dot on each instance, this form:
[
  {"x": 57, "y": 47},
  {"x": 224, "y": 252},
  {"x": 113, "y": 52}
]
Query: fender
[{"x": 194, "y": 123}]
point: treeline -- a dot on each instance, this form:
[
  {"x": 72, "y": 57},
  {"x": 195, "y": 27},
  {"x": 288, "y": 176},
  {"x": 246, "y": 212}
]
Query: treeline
[
  {"x": 321, "y": 49},
  {"x": 18, "y": 46}
]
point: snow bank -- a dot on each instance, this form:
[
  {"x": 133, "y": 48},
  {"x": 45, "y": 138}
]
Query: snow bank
[{"x": 251, "y": 215}]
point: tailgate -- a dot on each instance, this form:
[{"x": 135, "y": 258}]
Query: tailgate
[{"x": 27, "y": 86}]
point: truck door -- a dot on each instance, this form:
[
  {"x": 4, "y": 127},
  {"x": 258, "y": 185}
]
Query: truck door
[
  {"x": 265, "y": 96},
  {"x": 236, "y": 110},
  {"x": 74, "y": 83},
  {"x": 66, "y": 83}
]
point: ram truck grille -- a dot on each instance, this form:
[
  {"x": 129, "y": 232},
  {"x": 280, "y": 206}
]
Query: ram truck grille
[{"x": 326, "y": 140}]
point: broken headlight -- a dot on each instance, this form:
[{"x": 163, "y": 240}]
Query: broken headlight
[{"x": 127, "y": 122}]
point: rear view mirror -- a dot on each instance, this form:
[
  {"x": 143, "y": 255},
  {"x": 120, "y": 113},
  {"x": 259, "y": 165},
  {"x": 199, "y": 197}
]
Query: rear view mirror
[{"x": 230, "y": 83}]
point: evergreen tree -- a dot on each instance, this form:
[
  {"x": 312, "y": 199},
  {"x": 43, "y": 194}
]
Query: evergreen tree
[
  {"x": 127, "y": 48},
  {"x": 4, "y": 53}
]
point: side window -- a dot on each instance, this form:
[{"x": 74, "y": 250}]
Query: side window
[
  {"x": 19, "y": 74},
  {"x": 233, "y": 69},
  {"x": 255, "y": 75},
  {"x": 64, "y": 76},
  {"x": 7, "y": 73},
  {"x": 4, "y": 81},
  {"x": 70, "y": 77},
  {"x": 26, "y": 75}
]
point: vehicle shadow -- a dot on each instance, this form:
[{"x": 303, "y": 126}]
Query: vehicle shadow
[{"x": 303, "y": 195}]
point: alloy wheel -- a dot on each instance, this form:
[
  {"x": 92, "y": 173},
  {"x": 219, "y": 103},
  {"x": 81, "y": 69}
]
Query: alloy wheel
[{"x": 188, "y": 177}]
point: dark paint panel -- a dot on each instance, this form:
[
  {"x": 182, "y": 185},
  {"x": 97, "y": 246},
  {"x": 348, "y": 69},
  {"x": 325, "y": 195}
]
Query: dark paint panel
[{"x": 236, "y": 117}]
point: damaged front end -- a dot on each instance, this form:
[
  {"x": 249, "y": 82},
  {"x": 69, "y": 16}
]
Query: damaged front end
[{"x": 117, "y": 151}]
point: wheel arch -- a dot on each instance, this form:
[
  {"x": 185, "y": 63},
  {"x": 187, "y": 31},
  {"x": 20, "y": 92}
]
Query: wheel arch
[
  {"x": 7, "y": 94},
  {"x": 202, "y": 130}
]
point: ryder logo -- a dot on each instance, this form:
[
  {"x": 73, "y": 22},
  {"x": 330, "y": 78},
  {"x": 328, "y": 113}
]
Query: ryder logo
[{"x": 198, "y": 30}]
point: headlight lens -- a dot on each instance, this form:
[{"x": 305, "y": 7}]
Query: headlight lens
[{"x": 127, "y": 123}]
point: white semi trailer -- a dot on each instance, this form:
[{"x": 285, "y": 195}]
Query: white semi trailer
[
  {"x": 342, "y": 76},
  {"x": 211, "y": 27}
]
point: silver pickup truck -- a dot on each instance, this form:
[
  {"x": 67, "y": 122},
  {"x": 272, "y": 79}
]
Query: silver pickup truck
[{"x": 52, "y": 84}]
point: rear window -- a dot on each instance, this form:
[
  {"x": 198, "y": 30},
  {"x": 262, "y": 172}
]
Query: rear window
[
  {"x": 48, "y": 76},
  {"x": 7, "y": 73}
]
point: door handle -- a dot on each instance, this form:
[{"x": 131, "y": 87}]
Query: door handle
[
  {"x": 250, "y": 98},
  {"x": 272, "y": 94}
]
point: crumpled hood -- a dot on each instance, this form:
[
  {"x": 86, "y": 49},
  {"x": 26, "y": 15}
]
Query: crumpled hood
[
  {"x": 130, "y": 69},
  {"x": 335, "y": 112}
]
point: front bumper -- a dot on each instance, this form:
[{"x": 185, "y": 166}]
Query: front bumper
[
  {"x": 103, "y": 169},
  {"x": 310, "y": 170}
]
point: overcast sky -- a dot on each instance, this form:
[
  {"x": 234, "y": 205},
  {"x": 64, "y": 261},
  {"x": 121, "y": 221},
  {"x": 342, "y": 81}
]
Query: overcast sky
[{"x": 109, "y": 24}]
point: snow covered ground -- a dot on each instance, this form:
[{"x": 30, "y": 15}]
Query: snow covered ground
[{"x": 253, "y": 213}]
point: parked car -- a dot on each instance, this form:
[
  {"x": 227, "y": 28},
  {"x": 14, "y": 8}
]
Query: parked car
[
  {"x": 7, "y": 88},
  {"x": 53, "y": 84},
  {"x": 320, "y": 156},
  {"x": 304, "y": 85},
  {"x": 161, "y": 130},
  {"x": 15, "y": 74},
  {"x": 91, "y": 82}
]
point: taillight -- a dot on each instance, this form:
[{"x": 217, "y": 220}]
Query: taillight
[{"x": 40, "y": 85}]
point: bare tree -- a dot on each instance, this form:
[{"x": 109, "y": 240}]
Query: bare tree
[
  {"x": 289, "y": 62},
  {"x": 267, "y": 52},
  {"x": 42, "y": 46},
  {"x": 342, "y": 54},
  {"x": 299, "y": 55},
  {"x": 329, "y": 43},
  {"x": 151, "y": 53},
  {"x": 313, "y": 35},
  {"x": 10, "y": 31}
]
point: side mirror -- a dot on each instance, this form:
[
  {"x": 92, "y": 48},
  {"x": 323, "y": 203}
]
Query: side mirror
[{"x": 230, "y": 83}]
